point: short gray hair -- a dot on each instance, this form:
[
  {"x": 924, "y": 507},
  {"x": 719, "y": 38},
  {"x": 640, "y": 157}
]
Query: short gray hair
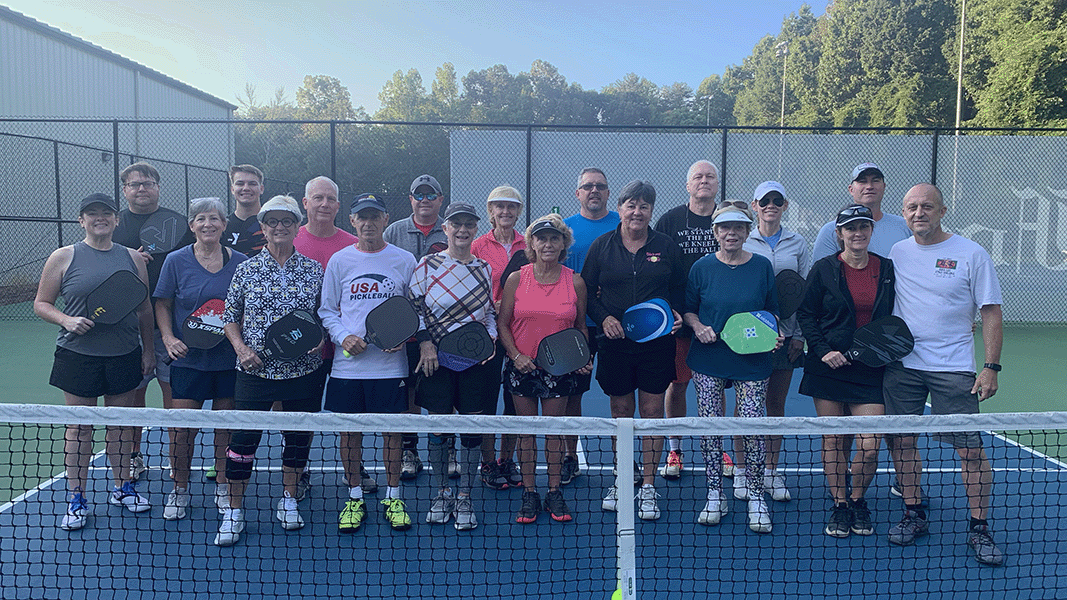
[
  {"x": 206, "y": 205},
  {"x": 307, "y": 186}
]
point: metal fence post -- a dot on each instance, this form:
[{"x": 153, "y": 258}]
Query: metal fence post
[
  {"x": 722, "y": 165},
  {"x": 115, "y": 155},
  {"x": 933, "y": 158},
  {"x": 529, "y": 173},
  {"x": 333, "y": 150},
  {"x": 59, "y": 204}
]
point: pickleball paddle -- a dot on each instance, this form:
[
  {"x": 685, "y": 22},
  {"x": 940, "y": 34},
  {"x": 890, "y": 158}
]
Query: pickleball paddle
[
  {"x": 751, "y": 332},
  {"x": 563, "y": 352},
  {"x": 115, "y": 297},
  {"x": 465, "y": 347},
  {"x": 162, "y": 231},
  {"x": 292, "y": 336},
  {"x": 391, "y": 323},
  {"x": 203, "y": 329},
  {"x": 648, "y": 320},
  {"x": 790, "y": 292},
  {"x": 881, "y": 342}
]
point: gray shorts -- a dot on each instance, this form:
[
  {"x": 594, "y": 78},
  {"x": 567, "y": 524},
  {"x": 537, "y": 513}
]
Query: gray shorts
[
  {"x": 905, "y": 391},
  {"x": 162, "y": 369}
]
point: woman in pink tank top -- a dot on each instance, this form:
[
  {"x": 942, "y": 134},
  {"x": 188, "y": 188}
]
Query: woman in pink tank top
[{"x": 542, "y": 298}]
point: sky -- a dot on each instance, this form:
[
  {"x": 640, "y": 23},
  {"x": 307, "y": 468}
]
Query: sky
[{"x": 219, "y": 47}]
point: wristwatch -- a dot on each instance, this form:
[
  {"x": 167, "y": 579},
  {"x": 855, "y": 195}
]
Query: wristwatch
[{"x": 992, "y": 367}]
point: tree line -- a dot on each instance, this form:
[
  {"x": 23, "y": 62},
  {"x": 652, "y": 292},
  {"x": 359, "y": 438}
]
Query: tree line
[{"x": 863, "y": 63}]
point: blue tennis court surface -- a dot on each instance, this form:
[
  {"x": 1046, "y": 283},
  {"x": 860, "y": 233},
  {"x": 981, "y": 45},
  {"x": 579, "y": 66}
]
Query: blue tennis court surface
[{"x": 123, "y": 555}]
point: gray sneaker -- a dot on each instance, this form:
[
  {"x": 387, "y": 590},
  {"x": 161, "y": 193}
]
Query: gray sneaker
[
  {"x": 303, "y": 485},
  {"x": 647, "y": 507},
  {"x": 909, "y": 528},
  {"x": 441, "y": 508},
  {"x": 137, "y": 466},
  {"x": 453, "y": 465},
  {"x": 411, "y": 465},
  {"x": 177, "y": 504},
  {"x": 985, "y": 550},
  {"x": 369, "y": 485},
  {"x": 569, "y": 470},
  {"x": 465, "y": 518}
]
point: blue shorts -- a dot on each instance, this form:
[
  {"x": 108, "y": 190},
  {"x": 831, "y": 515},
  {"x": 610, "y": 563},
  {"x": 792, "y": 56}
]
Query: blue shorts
[
  {"x": 367, "y": 396},
  {"x": 192, "y": 384}
]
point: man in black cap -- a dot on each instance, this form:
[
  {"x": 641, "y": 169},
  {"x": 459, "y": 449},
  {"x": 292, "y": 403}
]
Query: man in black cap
[
  {"x": 420, "y": 235},
  {"x": 867, "y": 188}
]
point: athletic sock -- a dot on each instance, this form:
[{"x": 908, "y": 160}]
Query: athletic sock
[
  {"x": 675, "y": 444},
  {"x": 355, "y": 493},
  {"x": 917, "y": 509},
  {"x": 392, "y": 492}
]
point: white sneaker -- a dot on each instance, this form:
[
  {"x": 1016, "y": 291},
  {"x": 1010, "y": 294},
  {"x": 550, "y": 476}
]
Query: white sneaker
[
  {"x": 288, "y": 513},
  {"x": 177, "y": 503},
  {"x": 128, "y": 497},
  {"x": 77, "y": 513},
  {"x": 453, "y": 465},
  {"x": 714, "y": 509},
  {"x": 774, "y": 483},
  {"x": 233, "y": 524},
  {"x": 611, "y": 501},
  {"x": 740, "y": 484},
  {"x": 759, "y": 516},
  {"x": 222, "y": 497},
  {"x": 647, "y": 507}
]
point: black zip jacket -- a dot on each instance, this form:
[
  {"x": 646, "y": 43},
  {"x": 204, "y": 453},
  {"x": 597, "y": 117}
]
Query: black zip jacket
[
  {"x": 827, "y": 316},
  {"x": 617, "y": 280}
]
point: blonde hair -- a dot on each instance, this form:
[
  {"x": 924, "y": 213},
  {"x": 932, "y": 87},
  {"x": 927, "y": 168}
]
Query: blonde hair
[
  {"x": 503, "y": 191},
  {"x": 557, "y": 223}
]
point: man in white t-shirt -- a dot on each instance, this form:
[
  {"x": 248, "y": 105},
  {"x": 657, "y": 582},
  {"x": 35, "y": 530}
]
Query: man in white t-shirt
[
  {"x": 365, "y": 378},
  {"x": 942, "y": 281},
  {"x": 867, "y": 188}
]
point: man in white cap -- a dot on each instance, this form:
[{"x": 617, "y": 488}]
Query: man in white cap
[{"x": 867, "y": 188}]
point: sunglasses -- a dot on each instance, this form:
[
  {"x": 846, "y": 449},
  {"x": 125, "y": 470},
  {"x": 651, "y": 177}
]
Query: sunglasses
[
  {"x": 778, "y": 200},
  {"x": 733, "y": 204},
  {"x": 600, "y": 187},
  {"x": 424, "y": 197}
]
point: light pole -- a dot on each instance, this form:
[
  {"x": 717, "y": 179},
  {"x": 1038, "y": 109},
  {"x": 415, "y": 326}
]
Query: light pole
[
  {"x": 782, "y": 49},
  {"x": 707, "y": 121}
]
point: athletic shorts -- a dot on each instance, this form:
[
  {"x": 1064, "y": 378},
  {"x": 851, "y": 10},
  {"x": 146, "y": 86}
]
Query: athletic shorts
[
  {"x": 620, "y": 373},
  {"x": 193, "y": 384},
  {"x": 300, "y": 394},
  {"x": 586, "y": 380},
  {"x": 539, "y": 383},
  {"x": 162, "y": 371},
  {"x": 780, "y": 358},
  {"x": 905, "y": 391},
  {"x": 353, "y": 396},
  {"x": 472, "y": 391},
  {"x": 94, "y": 376},
  {"x": 682, "y": 374}
]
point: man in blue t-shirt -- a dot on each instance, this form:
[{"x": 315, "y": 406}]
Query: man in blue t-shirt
[
  {"x": 867, "y": 188},
  {"x": 593, "y": 220}
]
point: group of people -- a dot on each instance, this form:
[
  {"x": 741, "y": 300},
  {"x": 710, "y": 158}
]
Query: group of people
[{"x": 708, "y": 260}]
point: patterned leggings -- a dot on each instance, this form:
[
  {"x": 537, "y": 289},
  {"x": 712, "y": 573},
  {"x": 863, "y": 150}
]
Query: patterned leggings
[{"x": 751, "y": 402}]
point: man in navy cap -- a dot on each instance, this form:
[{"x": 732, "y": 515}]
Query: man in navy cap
[{"x": 867, "y": 188}]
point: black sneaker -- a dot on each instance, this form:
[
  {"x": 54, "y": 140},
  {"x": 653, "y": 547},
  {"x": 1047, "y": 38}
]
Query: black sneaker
[
  {"x": 840, "y": 522},
  {"x": 569, "y": 470},
  {"x": 861, "y": 517},
  {"x": 895, "y": 492},
  {"x": 492, "y": 477},
  {"x": 531, "y": 507},
  {"x": 556, "y": 507},
  {"x": 985, "y": 550},
  {"x": 511, "y": 474}
]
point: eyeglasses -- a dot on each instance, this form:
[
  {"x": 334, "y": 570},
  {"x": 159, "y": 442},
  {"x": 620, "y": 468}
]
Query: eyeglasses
[
  {"x": 733, "y": 203},
  {"x": 600, "y": 187},
  {"x": 778, "y": 200},
  {"x": 286, "y": 222},
  {"x": 425, "y": 197},
  {"x": 133, "y": 185}
]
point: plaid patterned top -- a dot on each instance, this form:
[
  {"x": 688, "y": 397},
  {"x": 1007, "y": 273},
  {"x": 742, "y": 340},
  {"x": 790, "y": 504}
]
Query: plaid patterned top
[
  {"x": 447, "y": 294},
  {"x": 262, "y": 291}
]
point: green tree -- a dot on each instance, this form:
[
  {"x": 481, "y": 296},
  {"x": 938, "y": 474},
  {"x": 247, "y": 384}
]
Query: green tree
[{"x": 322, "y": 97}]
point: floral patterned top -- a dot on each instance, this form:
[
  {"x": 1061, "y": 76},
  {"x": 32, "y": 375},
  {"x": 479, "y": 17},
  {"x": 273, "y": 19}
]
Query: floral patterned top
[{"x": 262, "y": 291}]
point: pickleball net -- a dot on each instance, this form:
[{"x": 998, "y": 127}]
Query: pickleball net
[{"x": 120, "y": 554}]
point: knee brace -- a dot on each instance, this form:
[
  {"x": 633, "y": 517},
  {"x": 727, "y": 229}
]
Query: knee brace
[{"x": 238, "y": 466}]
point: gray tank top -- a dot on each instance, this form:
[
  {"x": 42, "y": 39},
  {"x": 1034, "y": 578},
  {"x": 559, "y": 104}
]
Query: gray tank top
[{"x": 89, "y": 268}]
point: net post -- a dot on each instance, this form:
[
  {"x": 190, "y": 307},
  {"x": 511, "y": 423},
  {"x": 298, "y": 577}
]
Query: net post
[{"x": 624, "y": 461}]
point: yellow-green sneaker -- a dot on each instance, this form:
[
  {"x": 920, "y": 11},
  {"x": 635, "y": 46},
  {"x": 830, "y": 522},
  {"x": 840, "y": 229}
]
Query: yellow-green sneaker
[
  {"x": 352, "y": 516},
  {"x": 396, "y": 513}
]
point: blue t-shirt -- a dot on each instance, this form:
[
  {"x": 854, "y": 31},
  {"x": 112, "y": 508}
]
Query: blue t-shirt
[
  {"x": 189, "y": 285},
  {"x": 716, "y": 292},
  {"x": 585, "y": 231}
]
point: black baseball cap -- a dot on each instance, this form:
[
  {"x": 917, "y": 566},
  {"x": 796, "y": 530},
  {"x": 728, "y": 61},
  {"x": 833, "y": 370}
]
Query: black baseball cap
[{"x": 103, "y": 199}]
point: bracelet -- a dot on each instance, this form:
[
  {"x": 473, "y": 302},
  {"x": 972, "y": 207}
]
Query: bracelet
[{"x": 992, "y": 367}]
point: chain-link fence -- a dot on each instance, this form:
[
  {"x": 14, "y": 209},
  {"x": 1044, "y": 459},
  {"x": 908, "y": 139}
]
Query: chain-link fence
[{"x": 1002, "y": 188}]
